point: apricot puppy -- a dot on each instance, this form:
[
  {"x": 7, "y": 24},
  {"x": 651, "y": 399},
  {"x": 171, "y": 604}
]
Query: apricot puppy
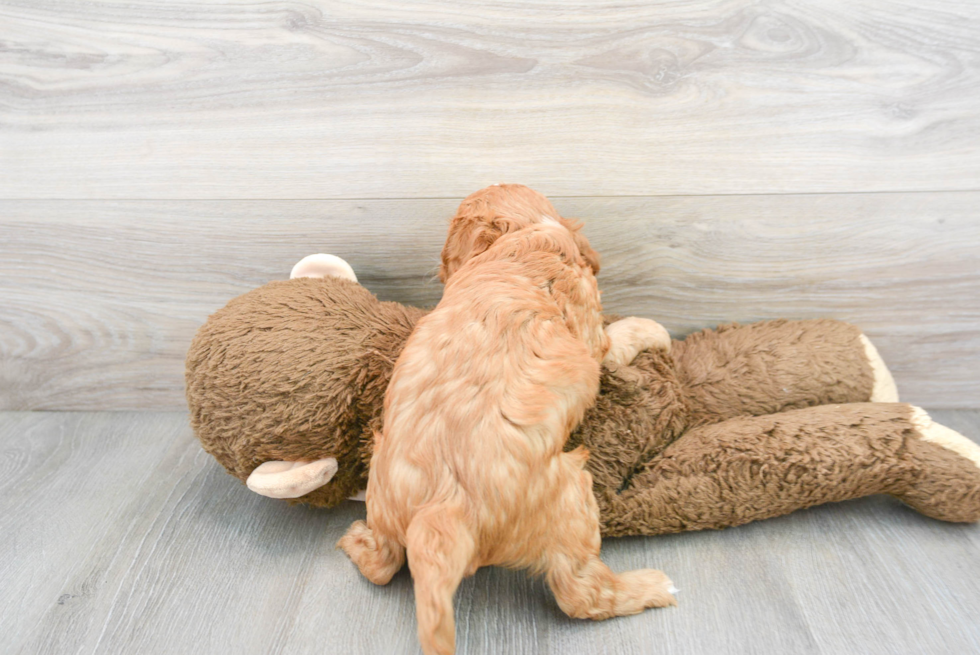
[{"x": 469, "y": 470}]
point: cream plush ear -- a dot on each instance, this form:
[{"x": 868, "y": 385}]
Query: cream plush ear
[
  {"x": 320, "y": 265},
  {"x": 291, "y": 479}
]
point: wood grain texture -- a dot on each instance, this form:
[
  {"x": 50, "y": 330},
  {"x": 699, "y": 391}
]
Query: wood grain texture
[
  {"x": 99, "y": 300},
  {"x": 321, "y": 99},
  {"x": 119, "y": 535}
]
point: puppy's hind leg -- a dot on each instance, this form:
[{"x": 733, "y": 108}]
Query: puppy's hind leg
[
  {"x": 377, "y": 555},
  {"x": 587, "y": 589},
  {"x": 584, "y": 586},
  {"x": 441, "y": 549}
]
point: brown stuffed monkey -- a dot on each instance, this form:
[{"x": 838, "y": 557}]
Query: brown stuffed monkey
[{"x": 285, "y": 386}]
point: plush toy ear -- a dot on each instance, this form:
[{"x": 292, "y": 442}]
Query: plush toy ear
[
  {"x": 321, "y": 265},
  {"x": 291, "y": 479}
]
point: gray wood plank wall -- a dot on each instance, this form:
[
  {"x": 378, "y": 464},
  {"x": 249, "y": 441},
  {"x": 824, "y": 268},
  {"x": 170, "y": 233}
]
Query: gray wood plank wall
[
  {"x": 102, "y": 298},
  {"x": 321, "y": 99},
  {"x": 733, "y": 160}
]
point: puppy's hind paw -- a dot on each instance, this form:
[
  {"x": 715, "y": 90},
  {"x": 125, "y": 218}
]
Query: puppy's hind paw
[
  {"x": 357, "y": 541},
  {"x": 377, "y": 556},
  {"x": 648, "y": 588}
]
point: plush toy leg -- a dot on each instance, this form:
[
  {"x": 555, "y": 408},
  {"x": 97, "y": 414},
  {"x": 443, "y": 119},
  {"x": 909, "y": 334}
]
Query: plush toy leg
[
  {"x": 291, "y": 479},
  {"x": 769, "y": 367},
  {"x": 321, "y": 265},
  {"x": 751, "y": 468}
]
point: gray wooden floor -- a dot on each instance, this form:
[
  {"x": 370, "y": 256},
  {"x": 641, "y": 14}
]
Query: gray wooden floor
[{"x": 118, "y": 534}]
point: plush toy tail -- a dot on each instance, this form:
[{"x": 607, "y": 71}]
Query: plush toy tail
[{"x": 751, "y": 468}]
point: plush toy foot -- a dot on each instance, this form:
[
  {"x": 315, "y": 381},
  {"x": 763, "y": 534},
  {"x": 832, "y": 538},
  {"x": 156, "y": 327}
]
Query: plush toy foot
[
  {"x": 754, "y": 467},
  {"x": 321, "y": 265},
  {"x": 630, "y": 336},
  {"x": 945, "y": 437},
  {"x": 291, "y": 479},
  {"x": 884, "y": 390},
  {"x": 948, "y": 485}
]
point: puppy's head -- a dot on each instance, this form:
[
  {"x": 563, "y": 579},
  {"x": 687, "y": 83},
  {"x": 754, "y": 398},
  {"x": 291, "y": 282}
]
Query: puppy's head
[{"x": 497, "y": 210}]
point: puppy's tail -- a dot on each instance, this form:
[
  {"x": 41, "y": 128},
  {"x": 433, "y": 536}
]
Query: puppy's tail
[{"x": 441, "y": 550}]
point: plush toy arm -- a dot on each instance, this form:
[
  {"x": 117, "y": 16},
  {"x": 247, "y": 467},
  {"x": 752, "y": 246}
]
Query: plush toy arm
[
  {"x": 639, "y": 411},
  {"x": 630, "y": 336},
  {"x": 772, "y": 366},
  {"x": 751, "y": 468}
]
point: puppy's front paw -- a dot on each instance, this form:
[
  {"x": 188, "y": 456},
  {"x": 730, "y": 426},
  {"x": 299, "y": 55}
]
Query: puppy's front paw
[{"x": 630, "y": 336}]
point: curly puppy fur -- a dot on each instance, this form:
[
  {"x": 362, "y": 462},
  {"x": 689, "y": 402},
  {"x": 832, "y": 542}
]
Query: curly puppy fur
[
  {"x": 470, "y": 469},
  {"x": 487, "y": 214}
]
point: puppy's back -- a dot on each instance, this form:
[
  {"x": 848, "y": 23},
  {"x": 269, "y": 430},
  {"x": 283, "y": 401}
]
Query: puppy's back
[{"x": 487, "y": 385}]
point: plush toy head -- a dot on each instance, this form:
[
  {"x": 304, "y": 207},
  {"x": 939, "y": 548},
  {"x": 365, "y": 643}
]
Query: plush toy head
[
  {"x": 496, "y": 210},
  {"x": 294, "y": 372}
]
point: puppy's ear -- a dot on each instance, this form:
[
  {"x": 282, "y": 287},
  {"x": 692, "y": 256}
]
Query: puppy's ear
[
  {"x": 470, "y": 235},
  {"x": 590, "y": 256}
]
